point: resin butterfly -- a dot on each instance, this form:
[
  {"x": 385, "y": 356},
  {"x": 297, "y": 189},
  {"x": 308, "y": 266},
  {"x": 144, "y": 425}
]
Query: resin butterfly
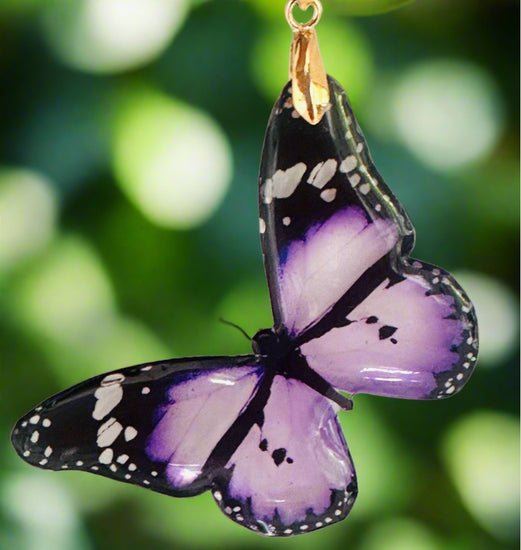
[{"x": 352, "y": 312}]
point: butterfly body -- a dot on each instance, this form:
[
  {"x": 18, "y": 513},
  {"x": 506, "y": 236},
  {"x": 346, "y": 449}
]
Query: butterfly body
[{"x": 352, "y": 312}]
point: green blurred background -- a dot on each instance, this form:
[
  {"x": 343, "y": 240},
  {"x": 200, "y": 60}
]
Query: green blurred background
[{"x": 130, "y": 136}]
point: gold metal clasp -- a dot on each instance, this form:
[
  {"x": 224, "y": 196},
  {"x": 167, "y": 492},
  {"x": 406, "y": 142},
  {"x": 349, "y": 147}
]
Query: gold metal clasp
[{"x": 310, "y": 89}]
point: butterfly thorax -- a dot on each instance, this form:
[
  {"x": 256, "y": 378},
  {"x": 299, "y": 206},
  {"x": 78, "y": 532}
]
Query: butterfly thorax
[{"x": 279, "y": 353}]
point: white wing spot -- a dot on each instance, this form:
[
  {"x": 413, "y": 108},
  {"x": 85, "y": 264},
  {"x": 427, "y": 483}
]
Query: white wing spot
[
  {"x": 106, "y": 456},
  {"x": 27, "y": 453},
  {"x": 286, "y": 220},
  {"x": 127, "y": 476},
  {"x": 43, "y": 462},
  {"x": 359, "y": 147},
  {"x": 304, "y": 527},
  {"x": 145, "y": 390},
  {"x": 79, "y": 463},
  {"x": 48, "y": 451},
  {"x": 459, "y": 376},
  {"x": 132, "y": 467},
  {"x": 108, "y": 432},
  {"x": 365, "y": 188},
  {"x": 46, "y": 422},
  {"x": 322, "y": 173},
  {"x": 348, "y": 164},
  {"x": 113, "y": 468},
  {"x": 378, "y": 207},
  {"x": 34, "y": 419},
  {"x": 354, "y": 180},
  {"x": 122, "y": 459},
  {"x": 318, "y": 524},
  {"x": 338, "y": 512},
  {"x": 107, "y": 398},
  {"x": 228, "y": 510},
  {"x": 146, "y": 482},
  {"x": 35, "y": 436},
  {"x": 237, "y": 509},
  {"x": 24, "y": 424},
  {"x": 328, "y": 195},
  {"x": 238, "y": 517},
  {"x": 144, "y": 369},
  {"x": 284, "y": 182},
  {"x": 111, "y": 379},
  {"x": 328, "y": 520},
  {"x": 154, "y": 473},
  {"x": 130, "y": 433},
  {"x": 262, "y": 226},
  {"x": 288, "y": 531},
  {"x": 218, "y": 496}
]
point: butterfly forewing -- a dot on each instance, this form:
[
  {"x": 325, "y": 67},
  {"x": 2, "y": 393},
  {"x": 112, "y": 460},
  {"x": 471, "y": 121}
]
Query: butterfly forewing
[
  {"x": 153, "y": 425},
  {"x": 336, "y": 244}
]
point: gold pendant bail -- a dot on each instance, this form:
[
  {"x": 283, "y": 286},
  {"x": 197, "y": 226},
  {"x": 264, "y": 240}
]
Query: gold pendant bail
[{"x": 310, "y": 89}]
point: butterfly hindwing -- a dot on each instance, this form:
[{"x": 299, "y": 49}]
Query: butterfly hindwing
[
  {"x": 292, "y": 473},
  {"x": 336, "y": 246}
]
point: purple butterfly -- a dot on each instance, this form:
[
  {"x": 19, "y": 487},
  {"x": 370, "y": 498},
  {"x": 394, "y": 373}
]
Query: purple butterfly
[{"x": 352, "y": 312}]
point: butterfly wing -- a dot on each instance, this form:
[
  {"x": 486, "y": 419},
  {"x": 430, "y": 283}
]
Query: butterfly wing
[
  {"x": 336, "y": 246},
  {"x": 154, "y": 425},
  {"x": 292, "y": 473},
  {"x": 270, "y": 448}
]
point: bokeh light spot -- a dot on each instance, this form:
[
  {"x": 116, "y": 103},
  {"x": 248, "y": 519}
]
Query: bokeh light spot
[
  {"x": 172, "y": 160},
  {"x": 400, "y": 534},
  {"x": 28, "y": 209},
  {"x": 67, "y": 294},
  {"x": 42, "y": 509},
  {"x": 481, "y": 453},
  {"x": 497, "y": 312},
  {"x": 110, "y": 35},
  {"x": 448, "y": 113},
  {"x": 344, "y": 48}
]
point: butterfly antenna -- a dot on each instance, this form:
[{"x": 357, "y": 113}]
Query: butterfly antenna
[{"x": 236, "y": 326}]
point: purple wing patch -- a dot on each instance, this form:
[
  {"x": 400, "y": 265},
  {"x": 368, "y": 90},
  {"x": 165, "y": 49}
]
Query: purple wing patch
[
  {"x": 410, "y": 339},
  {"x": 292, "y": 473}
]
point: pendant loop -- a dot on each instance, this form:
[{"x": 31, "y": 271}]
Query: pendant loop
[
  {"x": 310, "y": 89},
  {"x": 303, "y": 5}
]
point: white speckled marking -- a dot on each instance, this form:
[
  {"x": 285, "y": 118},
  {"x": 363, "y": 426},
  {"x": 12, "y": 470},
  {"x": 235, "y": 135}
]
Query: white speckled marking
[
  {"x": 359, "y": 147},
  {"x": 218, "y": 496},
  {"x": 43, "y": 462},
  {"x": 318, "y": 524},
  {"x": 328, "y": 195},
  {"x": 228, "y": 510},
  {"x": 48, "y": 451},
  {"x": 132, "y": 467},
  {"x": 106, "y": 456},
  {"x": 288, "y": 531},
  {"x": 153, "y": 473},
  {"x": 46, "y": 422},
  {"x": 338, "y": 512},
  {"x": 146, "y": 482},
  {"x": 286, "y": 220},
  {"x": 79, "y": 463},
  {"x": 113, "y": 468},
  {"x": 354, "y": 180},
  {"x": 144, "y": 369},
  {"x": 107, "y": 397},
  {"x": 127, "y": 476},
  {"x": 304, "y": 527},
  {"x": 108, "y": 432},
  {"x": 34, "y": 419},
  {"x": 35, "y": 436},
  {"x": 145, "y": 390},
  {"x": 122, "y": 459},
  {"x": 322, "y": 173},
  {"x": 130, "y": 433},
  {"x": 283, "y": 183},
  {"x": 348, "y": 164},
  {"x": 262, "y": 226},
  {"x": 365, "y": 188},
  {"x": 27, "y": 453}
]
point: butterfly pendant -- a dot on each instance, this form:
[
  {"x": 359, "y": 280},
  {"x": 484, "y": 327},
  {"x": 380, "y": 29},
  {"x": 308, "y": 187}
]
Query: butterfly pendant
[{"x": 352, "y": 312}]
